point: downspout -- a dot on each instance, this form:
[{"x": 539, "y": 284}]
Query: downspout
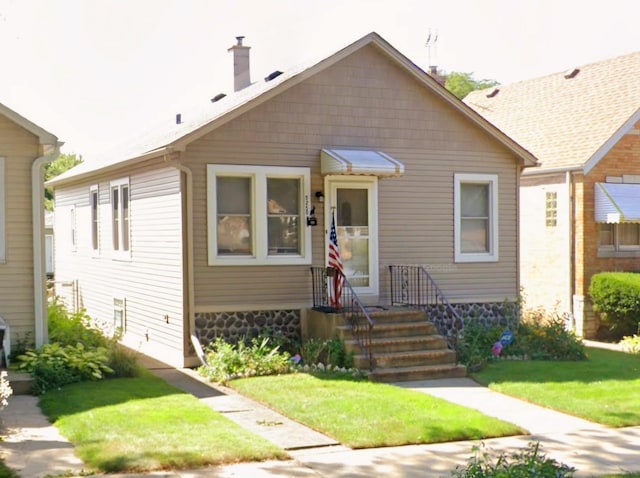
[
  {"x": 188, "y": 237},
  {"x": 518, "y": 219},
  {"x": 571, "y": 245},
  {"x": 37, "y": 212}
]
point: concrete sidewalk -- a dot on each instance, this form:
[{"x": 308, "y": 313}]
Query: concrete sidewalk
[{"x": 35, "y": 448}]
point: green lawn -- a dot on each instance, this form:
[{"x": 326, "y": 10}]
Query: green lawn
[
  {"x": 141, "y": 424},
  {"x": 602, "y": 389},
  {"x": 362, "y": 414}
]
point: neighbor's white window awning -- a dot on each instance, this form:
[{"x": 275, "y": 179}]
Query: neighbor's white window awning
[
  {"x": 617, "y": 203},
  {"x": 358, "y": 161}
]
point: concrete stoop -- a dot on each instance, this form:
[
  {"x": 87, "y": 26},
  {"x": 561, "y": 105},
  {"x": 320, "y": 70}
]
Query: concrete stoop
[
  {"x": 21, "y": 383},
  {"x": 405, "y": 347}
]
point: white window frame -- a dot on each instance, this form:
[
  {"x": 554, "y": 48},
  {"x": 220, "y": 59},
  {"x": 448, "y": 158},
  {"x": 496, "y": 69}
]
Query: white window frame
[
  {"x": 486, "y": 179},
  {"x": 258, "y": 175},
  {"x": 94, "y": 233},
  {"x": 3, "y": 228},
  {"x": 117, "y": 185}
]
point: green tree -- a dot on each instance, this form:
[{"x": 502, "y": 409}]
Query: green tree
[
  {"x": 461, "y": 84},
  {"x": 55, "y": 168}
]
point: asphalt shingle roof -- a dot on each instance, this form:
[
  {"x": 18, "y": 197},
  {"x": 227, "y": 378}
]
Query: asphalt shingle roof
[{"x": 564, "y": 121}]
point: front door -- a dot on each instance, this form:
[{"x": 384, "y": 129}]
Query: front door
[{"x": 353, "y": 202}]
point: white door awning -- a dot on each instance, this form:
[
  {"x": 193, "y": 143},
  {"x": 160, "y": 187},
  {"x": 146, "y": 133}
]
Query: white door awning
[
  {"x": 358, "y": 161},
  {"x": 617, "y": 203}
]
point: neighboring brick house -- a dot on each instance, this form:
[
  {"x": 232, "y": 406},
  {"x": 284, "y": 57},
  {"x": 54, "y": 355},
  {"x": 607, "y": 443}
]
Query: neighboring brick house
[{"x": 580, "y": 209}]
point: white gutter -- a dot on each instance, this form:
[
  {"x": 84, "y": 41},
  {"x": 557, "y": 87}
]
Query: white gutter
[
  {"x": 39, "y": 269},
  {"x": 560, "y": 169}
]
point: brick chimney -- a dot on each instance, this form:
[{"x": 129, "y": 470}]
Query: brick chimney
[
  {"x": 241, "y": 72},
  {"x": 437, "y": 75}
]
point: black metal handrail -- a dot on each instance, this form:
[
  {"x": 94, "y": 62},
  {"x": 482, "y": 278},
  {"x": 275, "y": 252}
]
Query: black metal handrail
[
  {"x": 413, "y": 286},
  {"x": 349, "y": 306}
]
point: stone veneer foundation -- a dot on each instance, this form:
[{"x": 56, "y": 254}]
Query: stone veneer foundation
[
  {"x": 234, "y": 326},
  {"x": 504, "y": 314}
]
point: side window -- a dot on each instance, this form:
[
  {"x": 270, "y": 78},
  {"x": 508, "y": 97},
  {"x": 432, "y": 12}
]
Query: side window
[
  {"x": 120, "y": 228},
  {"x": 94, "y": 204},
  {"x": 476, "y": 217}
]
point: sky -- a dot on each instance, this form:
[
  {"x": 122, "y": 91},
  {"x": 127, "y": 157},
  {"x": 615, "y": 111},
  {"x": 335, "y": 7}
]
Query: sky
[{"x": 93, "y": 72}]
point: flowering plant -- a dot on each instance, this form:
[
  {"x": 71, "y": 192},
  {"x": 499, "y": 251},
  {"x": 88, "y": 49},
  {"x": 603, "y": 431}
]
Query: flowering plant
[{"x": 5, "y": 390}]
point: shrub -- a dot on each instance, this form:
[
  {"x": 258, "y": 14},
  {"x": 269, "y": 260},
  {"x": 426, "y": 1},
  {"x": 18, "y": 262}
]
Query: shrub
[
  {"x": 55, "y": 365},
  {"x": 519, "y": 464},
  {"x": 226, "y": 361},
  {"x": 631, "y": 344},
  {"x": 538, "y": 336},
  {"x": 546, "y": 337},
  {"x": 78, "y": 351},
  {"x": 328, "y": 352},
  {"x": 616, "y": 297},
  {"x": 475, "y": 342},
  {"x": 70, "y": 329}
]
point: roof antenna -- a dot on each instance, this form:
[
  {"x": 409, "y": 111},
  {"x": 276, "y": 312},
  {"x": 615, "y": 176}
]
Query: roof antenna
[{"x": 432, "y": 42}]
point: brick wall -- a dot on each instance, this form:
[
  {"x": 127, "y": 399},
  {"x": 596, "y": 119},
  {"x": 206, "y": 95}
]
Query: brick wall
[{"x": 624, "y": 158}]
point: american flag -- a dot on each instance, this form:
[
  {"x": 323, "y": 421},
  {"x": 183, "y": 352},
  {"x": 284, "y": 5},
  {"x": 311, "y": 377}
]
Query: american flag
[{"x": 335, "y": 262}]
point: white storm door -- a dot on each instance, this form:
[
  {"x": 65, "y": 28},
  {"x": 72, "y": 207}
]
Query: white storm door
[{"x": 354, "y": 203}]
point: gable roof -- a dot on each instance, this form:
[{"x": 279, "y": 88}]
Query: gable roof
[
  {"x": 43, "y": 135},
  {"x": 202, "y": 120},
  {"x": 568, "y": 120}
]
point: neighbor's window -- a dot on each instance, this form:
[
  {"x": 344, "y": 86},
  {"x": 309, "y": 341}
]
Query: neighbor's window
[
  {"x": 93, "y": 203},
  {"x": 551, "y": 208},
  {"x": 476, "y": 217},
  {"x": 120, "y": 215},
  {"x": 619, "y": 237},
  {"x": 256, "y": 215}
]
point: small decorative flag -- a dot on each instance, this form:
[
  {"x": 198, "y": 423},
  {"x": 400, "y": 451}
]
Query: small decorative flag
[{"x": 335, "y": 262}]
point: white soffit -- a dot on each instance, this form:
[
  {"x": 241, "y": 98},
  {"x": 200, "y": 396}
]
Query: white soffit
[
  {"x": 358, "y": 161},
  {"x": 617, "y": 203}
]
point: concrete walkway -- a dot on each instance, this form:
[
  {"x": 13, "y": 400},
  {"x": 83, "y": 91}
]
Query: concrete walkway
[{"x": 35, "y": 448}]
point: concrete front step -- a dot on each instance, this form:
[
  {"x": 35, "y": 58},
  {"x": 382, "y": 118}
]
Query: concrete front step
[
  {"x": 400, "y": 344},
  {"x": 392, "y": 315},
  {"x": 408, "y": 359},
  {"x": 424, "y": 372},
  {"x": 400, "y": 329}
]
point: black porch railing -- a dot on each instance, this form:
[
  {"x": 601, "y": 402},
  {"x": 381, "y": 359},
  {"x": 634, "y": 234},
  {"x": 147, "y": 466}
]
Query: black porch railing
[
  {"x": 349, "y": 306},
  {"x": 413, "y": 286}
]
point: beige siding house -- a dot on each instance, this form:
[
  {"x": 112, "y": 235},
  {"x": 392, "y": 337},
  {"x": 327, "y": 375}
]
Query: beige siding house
[
  {"x": 207, "y": 227},
  {"x": 580, "y": 208},
  {"x": 24, "y": 149}
]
